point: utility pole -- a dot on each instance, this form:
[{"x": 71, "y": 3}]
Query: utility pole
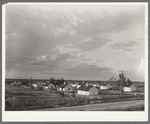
[{"x": 121, "y": 83}]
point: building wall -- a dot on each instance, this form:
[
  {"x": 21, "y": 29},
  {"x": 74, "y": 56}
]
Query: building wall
[
  {"x": 59, "y": 89},
  {"x": 93, "y": 91},
  {"x": 109, "y": 86},
  {"x": 127, "y": 89},
  {"x": 68, "y": 88},
  {"x": 78, "y": 86},
  {"x": 133, "y": 88},
  {"x": 74, "y": 85},
  {"x": 51, "y": 86},
  {"x": 103, "y": 87},
  {"x": 80, "y": 92}
]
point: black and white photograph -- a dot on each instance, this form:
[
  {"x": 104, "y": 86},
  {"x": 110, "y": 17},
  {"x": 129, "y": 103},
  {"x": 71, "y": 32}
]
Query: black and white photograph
[{"x": 75, "y": 58}]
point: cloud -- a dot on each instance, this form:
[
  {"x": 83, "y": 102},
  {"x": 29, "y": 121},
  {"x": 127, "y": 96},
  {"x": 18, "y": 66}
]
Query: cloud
[
  {"x": 124, "y": 45},
  {"x": 88, "y": 66},
  {"x": 60, "y": 37},
  {"x": 55, "y": 61},
  {"x": 67, "y": 49},
  {"x": 141, "y": 69},
  {"x": 40, "y": 60}
]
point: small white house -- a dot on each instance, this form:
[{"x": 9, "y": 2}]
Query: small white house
[
  {"x": 34, "y": 85},
  {"x": 74, "y": 84},
  {"x": 109, "y": 86},
  {"x": 103, "y": 86},
  {"x": 67, "y": 87},
  {"x": 129, "y": 88},
  {"x": 79, "y": 84},
  {"x": 87, "y": 90}
]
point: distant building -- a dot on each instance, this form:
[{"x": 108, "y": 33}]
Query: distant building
[
  {"x": 67, "y": 87},
  {"x": 74, "y": 84},
  {"x": 129, "y": 88},
  {"x": 103, "y": 85},
  {"x": 51, "y": 86},
  {"x": 37, "y": 85},
  {"x": 109, "y": 86},
  {"x": 79, "y": 84},
  {"x": 95, "y": 84},
  {"x": 34, "y": 85},
  {"x": 16, "y": 83},
  {"x": 45, "y": 87},
  {"x": 87, "y": 90}
]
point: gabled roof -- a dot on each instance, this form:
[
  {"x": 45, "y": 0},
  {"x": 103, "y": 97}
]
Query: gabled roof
[
  {"x": 80, "y": 83},
  {"x": 85, "y": 88},
  {"x": 113, "y": 79},
  {"x": 75, "y": 88},
  {"x": 38, "y": 82},
  {"x": 88, "y": 88},
  {"x": 82, "y": 87},
  {"x": 128, "y": 85},
  {"x": 63, "y": 85},
  {"x": 103, "y": 84},
  {"x": 47, "y": 84}
]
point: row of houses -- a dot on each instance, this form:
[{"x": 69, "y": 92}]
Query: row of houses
[
  {"x": 16, "y": 83},
  {"x": 44, "y": 86},
  {"x": 80, "y": 87},
  {"x": 90, "y": 89}
]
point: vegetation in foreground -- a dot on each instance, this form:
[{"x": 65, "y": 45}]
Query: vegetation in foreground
[{"x": 139, "y": 107}]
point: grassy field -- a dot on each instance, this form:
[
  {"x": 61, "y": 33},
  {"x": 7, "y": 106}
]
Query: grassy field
[
  {"x": 139, "y": 107},
  {"x": 30, "y": 99},
  {"x": 26, "y": 93}
]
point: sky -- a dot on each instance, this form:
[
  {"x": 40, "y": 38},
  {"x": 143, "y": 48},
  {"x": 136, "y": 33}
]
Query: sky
[{"x": 75, "y": 41}]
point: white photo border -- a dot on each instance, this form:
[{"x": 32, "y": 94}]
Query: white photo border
[{"x": 86, "y": 116}]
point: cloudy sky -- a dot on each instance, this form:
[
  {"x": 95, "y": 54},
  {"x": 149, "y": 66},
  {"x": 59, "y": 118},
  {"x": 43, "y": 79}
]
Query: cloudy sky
[{"x": 74, "y": 41}]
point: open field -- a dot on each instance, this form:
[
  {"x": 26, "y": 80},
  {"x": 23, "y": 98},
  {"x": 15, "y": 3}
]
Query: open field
[
  {"x": 117, "y": 106},
  {"x": 27, "y": 93}
]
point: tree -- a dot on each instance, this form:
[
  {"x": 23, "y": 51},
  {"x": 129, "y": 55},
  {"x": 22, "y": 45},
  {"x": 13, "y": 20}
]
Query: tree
[
  {"x": 58, "y": 82},
  {"x": 52, "y": 80},
  {"x": 62, "y": 81},
  {"x": 129, "y": 82}
]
